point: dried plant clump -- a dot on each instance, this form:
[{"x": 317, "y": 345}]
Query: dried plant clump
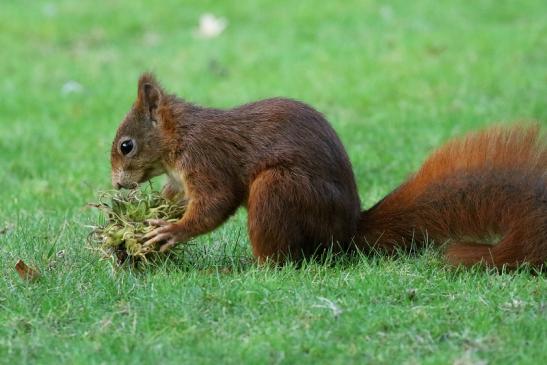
[{"x": 124, "y": 221}]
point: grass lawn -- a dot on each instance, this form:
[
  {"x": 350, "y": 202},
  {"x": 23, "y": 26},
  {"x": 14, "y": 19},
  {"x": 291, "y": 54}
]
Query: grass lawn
[{"x": 394, "y": 79}]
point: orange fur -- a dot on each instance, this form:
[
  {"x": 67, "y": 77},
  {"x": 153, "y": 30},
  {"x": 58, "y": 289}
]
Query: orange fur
[{"x": 490, "y": 186}]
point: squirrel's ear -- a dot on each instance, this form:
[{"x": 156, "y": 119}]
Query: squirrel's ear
[{"x": 149, "y": 94}]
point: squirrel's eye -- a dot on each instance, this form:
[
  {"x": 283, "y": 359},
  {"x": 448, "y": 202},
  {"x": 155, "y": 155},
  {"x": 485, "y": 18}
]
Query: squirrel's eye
[{"x": 126, "y": 146}]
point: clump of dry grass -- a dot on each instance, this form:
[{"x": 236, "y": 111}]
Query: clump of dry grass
[{"x": 124, "y": 221}]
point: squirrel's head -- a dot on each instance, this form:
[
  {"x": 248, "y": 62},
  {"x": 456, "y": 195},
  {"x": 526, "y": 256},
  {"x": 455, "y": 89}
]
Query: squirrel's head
[{"x": 136, "y": 154}]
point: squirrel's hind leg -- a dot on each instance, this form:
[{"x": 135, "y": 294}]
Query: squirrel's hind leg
[{"x": 274, "y": 230}]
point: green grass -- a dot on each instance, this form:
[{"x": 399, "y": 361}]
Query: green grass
[{"x": 395, "y": 81}]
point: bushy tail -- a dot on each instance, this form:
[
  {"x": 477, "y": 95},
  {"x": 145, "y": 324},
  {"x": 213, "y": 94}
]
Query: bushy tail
[{"x": 485, "y": 195}]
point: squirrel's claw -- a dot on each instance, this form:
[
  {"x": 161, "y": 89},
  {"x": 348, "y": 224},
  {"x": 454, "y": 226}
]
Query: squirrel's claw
[
  {"x": 165, "y": 236},
  {"x": 167, "y": 246},
  {"x": 157, "y": 222}
]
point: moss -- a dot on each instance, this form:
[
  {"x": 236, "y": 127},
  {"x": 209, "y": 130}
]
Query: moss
[{"x": 123, "y": 222}]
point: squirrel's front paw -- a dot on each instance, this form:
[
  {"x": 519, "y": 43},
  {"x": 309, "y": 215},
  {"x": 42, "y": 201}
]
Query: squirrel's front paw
[{"x": 166, "y": 235}]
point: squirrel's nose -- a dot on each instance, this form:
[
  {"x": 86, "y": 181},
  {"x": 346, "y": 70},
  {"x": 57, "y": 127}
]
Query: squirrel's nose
[{"x": 116, "y": 184}]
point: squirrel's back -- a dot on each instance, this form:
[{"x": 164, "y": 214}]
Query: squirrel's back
[{"x": 485, "y": 195}]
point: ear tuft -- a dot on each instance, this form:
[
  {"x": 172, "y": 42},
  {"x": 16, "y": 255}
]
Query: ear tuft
[{"x": 149, "y": 93}]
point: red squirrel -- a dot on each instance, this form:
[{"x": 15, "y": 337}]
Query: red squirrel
[{"x": 484, "y": 195}]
